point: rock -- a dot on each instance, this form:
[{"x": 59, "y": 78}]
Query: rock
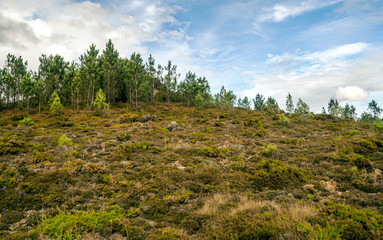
[
  {"x": 172, "y": 126},
  {"x": 329, "y": 185},
  {"x": 147, "y": 118},
  {"x": 309, "y": 187}
]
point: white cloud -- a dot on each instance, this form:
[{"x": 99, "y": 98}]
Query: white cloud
[
  {"x": 351, "y": 93},
  {"x": 280, "y": 12},
  {"x": 66, "y": 27},
  {"x": 317, "y": 81},
  {"x": 319, "y": 56}
]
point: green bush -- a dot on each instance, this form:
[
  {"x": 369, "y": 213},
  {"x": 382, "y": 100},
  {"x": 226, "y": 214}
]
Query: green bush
[
  {"x": 27, "y": 122},
  {"x": 270, "y": 150},
  {"x": 100, "y": 104},
  {"x": 65, "y": 141},
  {"x": 56, "y": 107},
  {"x": 74, "y": 225},
  {"x": 283, "y": 120},
  {"x": 378, "y": 126}
]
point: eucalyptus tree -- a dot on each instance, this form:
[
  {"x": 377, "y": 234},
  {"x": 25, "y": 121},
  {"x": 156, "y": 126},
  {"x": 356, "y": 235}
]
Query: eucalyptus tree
[{"x": 90, "y": 71}]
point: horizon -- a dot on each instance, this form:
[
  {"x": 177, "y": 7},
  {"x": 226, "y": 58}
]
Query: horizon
[{"x": 315, "y": 50}]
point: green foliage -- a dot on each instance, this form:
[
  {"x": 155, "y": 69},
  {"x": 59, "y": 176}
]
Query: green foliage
[
  {"x": 65, "y": 141},
  {"x": 224, "y": 98},
  {"x": 378, "y": 126},
  {"x": 354, "y": 223},
  {"x": 259, "y": 102},
  {"x": 10, "y": 146},
  {"x": 374, "y": 109},
  {"x": 100, "y": 104},
  {"x": 302, "y": 108},
  {"x": 270, "y": 150},
  {"x": 283, "y": 120},
  {"x": 289, "y": 103},
  {"x": 56, "y": 107},
  {"x": 27, "y": 122},
  {"x": 73, "y": 225}
]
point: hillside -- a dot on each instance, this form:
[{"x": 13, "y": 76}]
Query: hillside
[{"x": 172, "y": 172}]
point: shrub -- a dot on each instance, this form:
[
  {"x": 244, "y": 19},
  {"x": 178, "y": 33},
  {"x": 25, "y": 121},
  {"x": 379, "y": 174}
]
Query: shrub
[
  {"x": 283, "y": 120},
  {"x": 56, "y": 107},
  {"x": 378, "y": 126},
  {"x": 354, "y": 132},
  {"x": 100, "y": 104},
  {"x": 269, "y": 150},
  {"x": 72, "y": 226},
  {"x": 27, "y": 122},
  {"x": 65, "y": 141}
]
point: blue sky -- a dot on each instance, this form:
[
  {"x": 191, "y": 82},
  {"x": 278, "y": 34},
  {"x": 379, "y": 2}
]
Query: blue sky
[{"x": 314, "y": 49}]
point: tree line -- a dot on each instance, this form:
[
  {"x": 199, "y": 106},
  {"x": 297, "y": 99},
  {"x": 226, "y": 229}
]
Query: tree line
[{"x": 133, "y": 81}]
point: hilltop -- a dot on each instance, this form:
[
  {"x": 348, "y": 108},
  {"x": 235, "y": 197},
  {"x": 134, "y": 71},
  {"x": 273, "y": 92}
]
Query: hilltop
[{"x": 173, "y": 172}]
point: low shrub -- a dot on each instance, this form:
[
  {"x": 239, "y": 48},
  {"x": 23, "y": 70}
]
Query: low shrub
[
  {"x": 27, "y": 122},
  {"x": 270, "y": 150},
  {"x": 67, "y": 225}
]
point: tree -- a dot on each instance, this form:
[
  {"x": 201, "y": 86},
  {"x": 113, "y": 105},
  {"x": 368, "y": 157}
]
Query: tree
[
  {"x": 271, "y": 106},
  {"x": 302, "y": 108},
  {"x": 75, "y": 86},
  {"x": 56, "y": 106},
  {"x": 374, "y": 109},
  {"x": 259, "y": 102},
  {"x": 90, "y": 71},
  {"x": 366, "y": 117},
  {"x": 16, "y": 68},
  {"x": 224, "y": 98},
  {"x": 151, "y": 70},
  {"x": 245, "y": 103},
  {"x": 39, "y": 90},
  {"x": 52, "y": 71},
  {"x": 27, "y": 87},
  {"x": 170, "y": 80},
  {"x": 334, "y": 109},
  {"x": 100, "y": 104},
  {"x": 109, "y": 62},
  {"x": 349, "y": 112},
  {"x": 289, "y": 104}
]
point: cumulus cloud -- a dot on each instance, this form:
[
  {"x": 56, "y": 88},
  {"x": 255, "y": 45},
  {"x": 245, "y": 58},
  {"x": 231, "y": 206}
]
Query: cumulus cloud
[
  {"x": 29, "y": 28},
  {"x": 351, "y": 93},
  {"x": 316, "y": 82}
]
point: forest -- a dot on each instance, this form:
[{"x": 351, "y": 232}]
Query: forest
[{"x": 131, "y": 81}]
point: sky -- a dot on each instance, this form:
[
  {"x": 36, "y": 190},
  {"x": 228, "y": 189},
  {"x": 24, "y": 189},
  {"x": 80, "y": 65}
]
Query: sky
[{"x": 314, "y": 49}]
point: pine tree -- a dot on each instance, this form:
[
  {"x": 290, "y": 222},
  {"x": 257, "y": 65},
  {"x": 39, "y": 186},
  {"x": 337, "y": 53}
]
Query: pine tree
[
  {"x": 289, "y": 104},
  {"x": 56, "y": 106},
  {"x": 100, "y": 104}
]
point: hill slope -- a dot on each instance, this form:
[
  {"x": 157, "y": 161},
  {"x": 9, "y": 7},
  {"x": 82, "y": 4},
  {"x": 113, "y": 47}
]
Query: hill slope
[{"x": 172, "y": 172}]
